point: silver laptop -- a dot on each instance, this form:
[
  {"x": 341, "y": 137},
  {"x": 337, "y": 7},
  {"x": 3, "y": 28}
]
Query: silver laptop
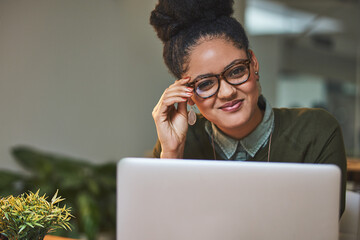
[{"x": 161, "y": 199}]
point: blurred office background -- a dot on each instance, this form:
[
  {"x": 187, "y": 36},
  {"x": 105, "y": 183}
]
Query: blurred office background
[{"x": 80, "y": 77}]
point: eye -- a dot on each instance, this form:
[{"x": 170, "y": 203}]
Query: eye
[
  {"x": 206, "y": 84},
  {"x": 237, "y": 71}
]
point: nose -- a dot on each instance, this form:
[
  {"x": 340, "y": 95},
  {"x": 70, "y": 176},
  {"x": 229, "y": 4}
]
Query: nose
[{"x": 226, "y": 90}]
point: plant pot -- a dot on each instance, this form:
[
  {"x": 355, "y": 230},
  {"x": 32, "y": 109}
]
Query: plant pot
[{"x": 50, "y": 237}]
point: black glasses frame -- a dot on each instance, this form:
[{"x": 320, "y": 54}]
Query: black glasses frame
[{"x": 222, "y": 76}]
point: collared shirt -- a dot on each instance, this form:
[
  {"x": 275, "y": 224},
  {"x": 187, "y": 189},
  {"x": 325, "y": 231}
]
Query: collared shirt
[{"x": 242, "y": 149}]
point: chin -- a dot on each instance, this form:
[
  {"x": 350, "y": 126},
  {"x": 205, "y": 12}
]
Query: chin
[{"x": 232, "y": 121}]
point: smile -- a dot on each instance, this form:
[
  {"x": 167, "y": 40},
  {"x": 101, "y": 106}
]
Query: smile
[{"x": 232, "y": 106}]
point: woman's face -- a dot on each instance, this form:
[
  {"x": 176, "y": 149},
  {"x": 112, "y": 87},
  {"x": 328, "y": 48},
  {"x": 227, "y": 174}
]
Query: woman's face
[{"x": 233, "y": 109}]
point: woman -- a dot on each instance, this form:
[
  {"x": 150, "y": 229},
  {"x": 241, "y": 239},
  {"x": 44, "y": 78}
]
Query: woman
[{"x": 207, "y": 50}]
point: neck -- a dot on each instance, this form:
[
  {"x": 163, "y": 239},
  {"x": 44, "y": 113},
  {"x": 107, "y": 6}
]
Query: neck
[{"x": 244, "y": 130}]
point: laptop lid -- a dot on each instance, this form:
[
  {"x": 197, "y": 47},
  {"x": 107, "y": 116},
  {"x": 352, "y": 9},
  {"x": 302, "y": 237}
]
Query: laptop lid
[{"x": 161, "y": 199}]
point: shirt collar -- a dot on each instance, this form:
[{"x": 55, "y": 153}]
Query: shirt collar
[{"x": 251, "y": 143}]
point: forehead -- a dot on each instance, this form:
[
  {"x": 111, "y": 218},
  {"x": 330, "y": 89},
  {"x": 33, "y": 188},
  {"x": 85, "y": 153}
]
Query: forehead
[{"x": 212, "y": 56}]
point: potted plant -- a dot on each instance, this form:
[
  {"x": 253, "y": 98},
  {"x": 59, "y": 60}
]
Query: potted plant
[
  {"x": 30, "y": 216},
  {"x": 89, "y": 188}
]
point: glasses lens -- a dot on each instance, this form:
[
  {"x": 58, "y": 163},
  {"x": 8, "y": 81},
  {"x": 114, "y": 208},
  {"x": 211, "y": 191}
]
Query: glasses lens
[
  {"x": 206, "y": 87},
  {"x": 237, "y": 74}
]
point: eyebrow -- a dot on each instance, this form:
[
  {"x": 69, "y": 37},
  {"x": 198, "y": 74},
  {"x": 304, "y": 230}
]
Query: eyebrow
[{"x": 226, "y": 68}]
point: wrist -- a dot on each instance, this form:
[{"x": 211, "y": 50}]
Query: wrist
[
  {"x": 176, "y": 154},
  {"x": 170, "y": 155}
]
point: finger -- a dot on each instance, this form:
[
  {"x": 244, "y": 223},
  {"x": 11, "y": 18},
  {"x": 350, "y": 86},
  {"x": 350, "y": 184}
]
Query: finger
[
  {"x": 170, "y": 94},
  {"x": 182, "y": 81},
  {"x": 170, "y": 98},
  {"x": 164, "y": 106},
  {"x": 171, "y": 101},
  {"x": 178, "y": 92},
  {"x": 185, "y": 79},
  {"x": 175, "y": 94}
]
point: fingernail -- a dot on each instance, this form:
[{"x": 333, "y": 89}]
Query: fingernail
[{"x": 189, "y": 89}]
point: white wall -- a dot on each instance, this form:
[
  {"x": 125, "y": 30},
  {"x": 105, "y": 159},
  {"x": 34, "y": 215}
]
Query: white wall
[
  {"x": 268, "y": 52},
  {"x": 79, "y": 77},
  {"x": 301, "y": 91}
]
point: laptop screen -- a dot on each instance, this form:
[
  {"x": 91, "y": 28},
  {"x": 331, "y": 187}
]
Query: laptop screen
[{"x": 211, "y": 200}]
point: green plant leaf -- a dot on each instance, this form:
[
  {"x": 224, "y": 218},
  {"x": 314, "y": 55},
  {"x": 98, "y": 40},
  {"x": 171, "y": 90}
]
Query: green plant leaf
[
  {"x": 22, "y": 227},
  {"x": 30, "y": 216},
  {"x": 50, "y": 172},
  {"x": 38, "y": 224},
  {"x": 29, "y": 224}
]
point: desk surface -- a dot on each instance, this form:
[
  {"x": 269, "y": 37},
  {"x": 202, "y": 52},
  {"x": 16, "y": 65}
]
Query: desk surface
[
  {"x": 353, "y": 164},
  {"x": 49, "y": 237}
]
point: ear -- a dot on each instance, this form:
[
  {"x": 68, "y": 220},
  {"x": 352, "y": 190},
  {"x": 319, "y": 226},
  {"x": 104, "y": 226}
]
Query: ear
[{"x": 254, "y": 61}]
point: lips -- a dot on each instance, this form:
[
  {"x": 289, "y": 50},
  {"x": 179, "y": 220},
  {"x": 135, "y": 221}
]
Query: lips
[{"x": 232, "y": 106}]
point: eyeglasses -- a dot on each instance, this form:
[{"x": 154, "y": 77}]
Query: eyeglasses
[{"x": 237, "y": 73}]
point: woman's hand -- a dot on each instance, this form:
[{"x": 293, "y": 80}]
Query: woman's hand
[{"x": 171, "y": 122}]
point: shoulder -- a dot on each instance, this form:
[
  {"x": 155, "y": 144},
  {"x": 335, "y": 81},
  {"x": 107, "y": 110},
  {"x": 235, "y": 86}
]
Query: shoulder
[
  {"x": 315, "y": 117},
  {"x": 302, "y": 112},
  {"x": 304, "y": 125}
]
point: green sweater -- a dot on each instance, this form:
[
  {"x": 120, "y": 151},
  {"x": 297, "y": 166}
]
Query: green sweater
[{"x": 300, "y": 136}]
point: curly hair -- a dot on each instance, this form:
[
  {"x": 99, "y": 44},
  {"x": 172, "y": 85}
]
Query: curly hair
[{"x": 181, "y": 24}]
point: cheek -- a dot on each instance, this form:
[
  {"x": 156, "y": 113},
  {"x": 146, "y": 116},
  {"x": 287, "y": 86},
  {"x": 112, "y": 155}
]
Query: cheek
[
  {"x": 203, "y": 104},
  {"x": 250, "y": 88}
]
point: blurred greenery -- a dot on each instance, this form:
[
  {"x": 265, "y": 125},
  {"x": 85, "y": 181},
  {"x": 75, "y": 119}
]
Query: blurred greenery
[{"x": 89, "y": 189}]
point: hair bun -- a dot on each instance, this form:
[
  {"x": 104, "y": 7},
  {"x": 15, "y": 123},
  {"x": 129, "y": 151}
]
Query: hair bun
[{"x": 171, "y": 16}]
